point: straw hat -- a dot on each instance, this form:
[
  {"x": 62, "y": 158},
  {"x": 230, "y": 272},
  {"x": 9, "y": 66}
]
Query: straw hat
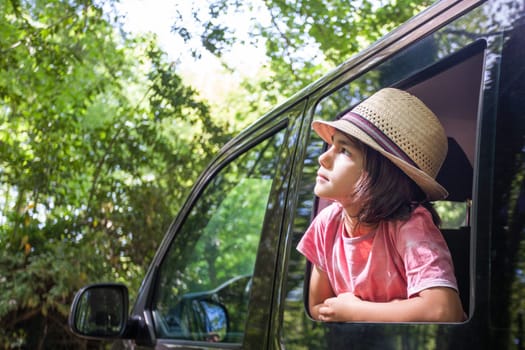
[{"x": 400, "y": 127}]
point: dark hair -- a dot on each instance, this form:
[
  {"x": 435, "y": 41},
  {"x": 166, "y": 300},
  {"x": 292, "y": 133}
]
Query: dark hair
[{"x": 385, "y": 192}]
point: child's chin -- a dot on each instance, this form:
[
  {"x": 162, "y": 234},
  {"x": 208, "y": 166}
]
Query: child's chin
[{"x": 318, "y": 192}]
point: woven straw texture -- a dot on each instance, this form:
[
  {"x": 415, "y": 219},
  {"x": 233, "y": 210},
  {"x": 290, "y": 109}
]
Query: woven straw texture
[{"x": 413, "y": 127}]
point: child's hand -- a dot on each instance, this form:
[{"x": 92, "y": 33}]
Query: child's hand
[{"x": 338, "y": 309}]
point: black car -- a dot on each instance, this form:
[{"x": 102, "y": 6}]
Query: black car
[{"x": 227, "y": 274}]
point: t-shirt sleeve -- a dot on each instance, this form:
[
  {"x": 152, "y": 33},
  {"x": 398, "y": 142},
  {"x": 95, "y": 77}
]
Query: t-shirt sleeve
[
  {"x": 425, "y": 253},
  {"x": 312, "y": 244}
]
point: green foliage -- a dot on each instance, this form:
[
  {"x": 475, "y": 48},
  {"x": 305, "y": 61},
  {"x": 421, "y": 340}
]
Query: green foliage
[
  {"x": 100, "y": 141},
  {"x": 237, "y": 234},
  {"x": 303, "y": 39},
  {"x": 452, "y": 214}
]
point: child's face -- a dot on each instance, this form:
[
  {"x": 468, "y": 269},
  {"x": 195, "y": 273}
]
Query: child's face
[{"x": 341, "y": 167}]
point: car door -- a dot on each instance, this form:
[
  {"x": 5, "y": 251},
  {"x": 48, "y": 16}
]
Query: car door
[
  {"x": 211, "y": 283},
  {"x": 452, "y": 62}
]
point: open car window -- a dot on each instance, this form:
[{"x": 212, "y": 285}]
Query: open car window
[{"x": 451, "y": 87}]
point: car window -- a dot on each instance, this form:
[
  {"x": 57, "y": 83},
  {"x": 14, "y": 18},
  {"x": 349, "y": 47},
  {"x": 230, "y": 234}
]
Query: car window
[
  {"x": 204, "y": 281},
  {"x": 427, "y": 74}
]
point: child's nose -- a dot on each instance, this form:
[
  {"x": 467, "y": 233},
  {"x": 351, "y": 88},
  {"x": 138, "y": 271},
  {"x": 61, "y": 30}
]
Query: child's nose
[{"x": 325, "y": 159}]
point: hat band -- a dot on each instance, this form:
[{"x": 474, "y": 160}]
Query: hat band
[{"x": 378, "y": 136}]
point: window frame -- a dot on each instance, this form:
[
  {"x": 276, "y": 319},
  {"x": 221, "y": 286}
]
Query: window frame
[
  {"x": 345, "y": 79},
  {"x": 196, "y": 199}
]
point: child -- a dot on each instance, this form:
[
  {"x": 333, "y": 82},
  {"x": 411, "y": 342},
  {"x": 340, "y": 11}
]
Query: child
[{"x": 377, "y": 253}]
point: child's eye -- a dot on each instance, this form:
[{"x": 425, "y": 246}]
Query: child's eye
[
  {"x": 345, "y": 152},
  {"x": 342, "y": 149}
]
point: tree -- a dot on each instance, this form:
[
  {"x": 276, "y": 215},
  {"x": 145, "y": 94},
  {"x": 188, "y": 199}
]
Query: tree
[
  {"x": 100, "y": 141},
  {"x": 303, "y": 39}
]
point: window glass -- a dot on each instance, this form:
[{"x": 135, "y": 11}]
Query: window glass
[
  {"x": 453, "y": 214},
  {"x": 204, "y": 281}
]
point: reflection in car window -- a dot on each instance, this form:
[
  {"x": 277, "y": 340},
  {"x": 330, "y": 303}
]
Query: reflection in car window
[{"x": 204, "y": 281}]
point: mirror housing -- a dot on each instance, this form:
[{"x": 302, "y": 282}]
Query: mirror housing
[{"x": 100, "y": 311}]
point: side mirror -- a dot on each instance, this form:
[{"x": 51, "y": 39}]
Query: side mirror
[
  {"x": 100, "y": 311},
  {"x": 215, "y": 321}
]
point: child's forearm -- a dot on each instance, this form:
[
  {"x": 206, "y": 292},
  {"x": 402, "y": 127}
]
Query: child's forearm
[
  {"x": 320, "y": 290},
  {"x": 432, "y": 305}
]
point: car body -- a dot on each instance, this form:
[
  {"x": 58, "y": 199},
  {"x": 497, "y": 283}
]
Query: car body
[{"x": 227, "y": 274}]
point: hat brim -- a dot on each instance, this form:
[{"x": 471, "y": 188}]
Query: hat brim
[{"x": 428, "y": 184}]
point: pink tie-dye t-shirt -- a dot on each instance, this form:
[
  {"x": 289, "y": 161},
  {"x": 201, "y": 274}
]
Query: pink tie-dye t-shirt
[{"x": 396, "y": 261}]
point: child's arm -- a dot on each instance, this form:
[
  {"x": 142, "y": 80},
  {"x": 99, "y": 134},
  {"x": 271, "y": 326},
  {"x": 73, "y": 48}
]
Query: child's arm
[
  {"x": 319, "y": 291},
  {"x": 440, "y": 304}
]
